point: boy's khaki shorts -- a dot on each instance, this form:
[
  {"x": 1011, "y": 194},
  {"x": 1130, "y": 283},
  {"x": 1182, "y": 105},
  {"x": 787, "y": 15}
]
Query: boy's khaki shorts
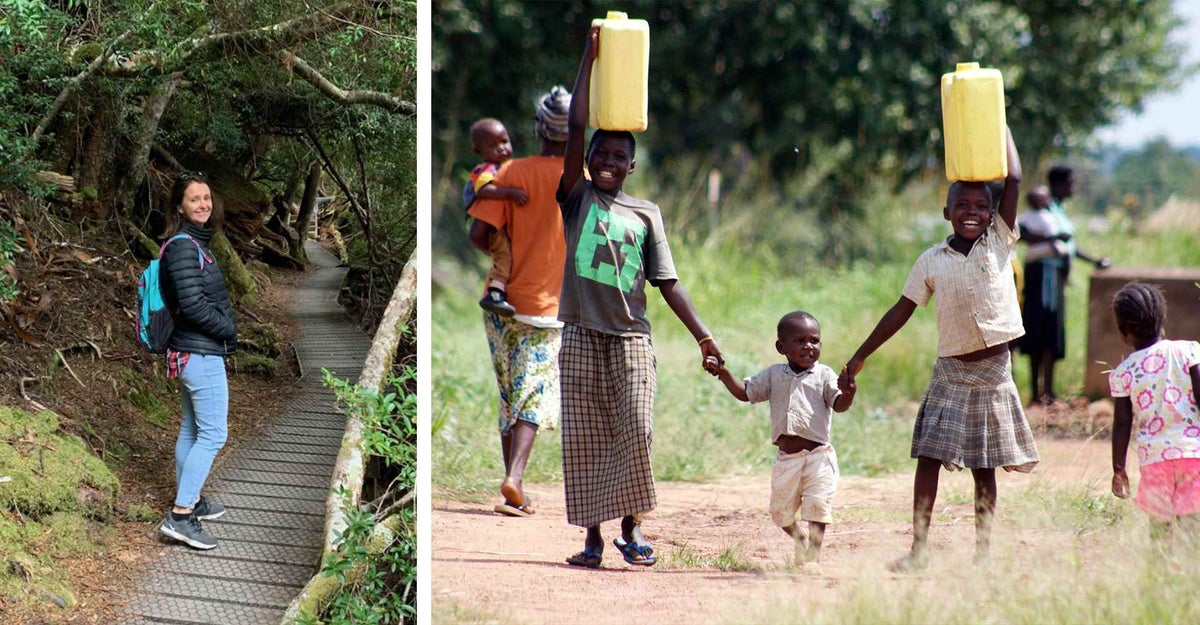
[{"x": 804, "y": 481}]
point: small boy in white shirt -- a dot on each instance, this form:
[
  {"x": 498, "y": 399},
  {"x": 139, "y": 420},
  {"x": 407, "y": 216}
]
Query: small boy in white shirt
[{"x": 804, "y": 394}]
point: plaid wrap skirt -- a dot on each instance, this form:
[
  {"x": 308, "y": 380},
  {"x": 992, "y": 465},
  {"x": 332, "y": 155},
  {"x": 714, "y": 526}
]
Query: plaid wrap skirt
[
  {"x": 608, "y": 385},
  {"x": 971, "y": 417}
]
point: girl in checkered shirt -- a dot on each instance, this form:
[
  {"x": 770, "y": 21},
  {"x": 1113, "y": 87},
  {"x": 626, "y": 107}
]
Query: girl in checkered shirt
[{"x": 971, "y": 414}]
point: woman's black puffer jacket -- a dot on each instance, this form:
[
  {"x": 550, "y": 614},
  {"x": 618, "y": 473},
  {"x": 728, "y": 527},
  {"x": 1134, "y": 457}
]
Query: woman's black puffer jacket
[{"x": 204, "y": 321}]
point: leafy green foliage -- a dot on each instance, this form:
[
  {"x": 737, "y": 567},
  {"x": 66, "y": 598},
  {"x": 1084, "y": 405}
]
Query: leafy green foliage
[
  {"x": 240, "y": 101},
  {"x": 783, "y": 82},
  {"x": 10, "y": 245},
  {"x": 384, "y": 593},
  {"x": 1143, "y": 179}
]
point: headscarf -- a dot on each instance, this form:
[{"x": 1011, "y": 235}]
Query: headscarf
[{"x": 551, "y": 116}]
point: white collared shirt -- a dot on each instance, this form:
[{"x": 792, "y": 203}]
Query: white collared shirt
[
  {"x": 801, "y": 403},
  {"x": 976, "y": 305}
]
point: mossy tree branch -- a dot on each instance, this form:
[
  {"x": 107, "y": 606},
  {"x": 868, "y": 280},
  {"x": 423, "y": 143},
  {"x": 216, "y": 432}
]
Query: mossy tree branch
[{"x": 341, "y": 96}]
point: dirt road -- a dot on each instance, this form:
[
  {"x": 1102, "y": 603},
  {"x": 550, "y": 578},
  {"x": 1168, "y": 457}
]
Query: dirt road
[{"x": 489, "y": 568}]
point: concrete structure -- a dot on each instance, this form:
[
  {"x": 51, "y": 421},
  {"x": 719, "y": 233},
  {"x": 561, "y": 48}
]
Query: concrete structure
[{"x": 1180, "y": 286}]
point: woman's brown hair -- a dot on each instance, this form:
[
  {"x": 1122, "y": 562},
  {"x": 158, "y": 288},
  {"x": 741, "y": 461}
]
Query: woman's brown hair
[{"x": 175, "y": 221}]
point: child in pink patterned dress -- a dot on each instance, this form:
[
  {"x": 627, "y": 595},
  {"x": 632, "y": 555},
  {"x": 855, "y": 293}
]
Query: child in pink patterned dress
[{"x": 1157, "y": 387}]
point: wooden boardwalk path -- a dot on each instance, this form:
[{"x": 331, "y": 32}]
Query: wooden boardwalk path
[{"x": 274, "y": 487}]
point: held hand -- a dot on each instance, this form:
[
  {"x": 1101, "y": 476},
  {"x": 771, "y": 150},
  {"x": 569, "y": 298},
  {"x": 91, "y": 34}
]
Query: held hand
[
  {"x": 853, "y": 367},
  {"x": 710, "y": 349},
  {"x": 713, "y": 366},
  {"x": 846, "y": 382},
  {"x": 519, "y": 196},
  {"x": 1103, "y": 263},
  {"x": 1120, "y": 484}
]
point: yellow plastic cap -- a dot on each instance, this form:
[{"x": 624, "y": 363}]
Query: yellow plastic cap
[
  {"x": 962, "y": 67},
  {"x": 621, "y": 15}
]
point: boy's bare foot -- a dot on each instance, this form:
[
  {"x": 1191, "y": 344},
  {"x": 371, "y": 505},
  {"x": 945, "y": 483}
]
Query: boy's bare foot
[
  {"x": 909, "y": 564},
  {"x": 800, "y": 544}
]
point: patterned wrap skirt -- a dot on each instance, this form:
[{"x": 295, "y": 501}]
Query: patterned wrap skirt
[
  {"x": 525, "y": 360},
  {"x": 608, "y": 385},
  {"x": 971, "y": 417}
]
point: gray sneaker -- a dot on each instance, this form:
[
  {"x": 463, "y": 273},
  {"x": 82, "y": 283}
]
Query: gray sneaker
[
  {"x": 187, "y": 531},
  {"x": 207, "y": 510}
]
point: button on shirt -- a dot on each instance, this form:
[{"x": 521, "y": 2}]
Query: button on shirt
[
  {"x": 976, "y": 305},
  {"x": 801, "y": 403}
]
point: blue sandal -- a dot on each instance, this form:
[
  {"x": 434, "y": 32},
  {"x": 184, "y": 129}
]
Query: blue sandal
[
  {"x": 632, "y": 551},
  {"x": 585, "y": 558}
]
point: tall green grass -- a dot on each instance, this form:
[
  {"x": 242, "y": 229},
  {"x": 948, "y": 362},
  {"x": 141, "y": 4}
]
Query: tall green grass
[{"x": 767, "y": 255}]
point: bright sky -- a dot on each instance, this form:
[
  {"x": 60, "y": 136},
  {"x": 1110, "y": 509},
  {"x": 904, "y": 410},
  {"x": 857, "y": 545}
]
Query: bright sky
[{"x": 1170, "y": 115}]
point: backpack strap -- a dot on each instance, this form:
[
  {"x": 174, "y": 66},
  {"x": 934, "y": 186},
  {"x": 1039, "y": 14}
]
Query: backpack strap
[{"x": 183, "y": 235}]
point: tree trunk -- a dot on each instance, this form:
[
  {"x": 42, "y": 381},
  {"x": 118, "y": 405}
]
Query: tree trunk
[
  {"x": 241, "y": 286},
  {"x": 95, "y": 152},
  {"x": 143, "y": 138},
  {"x": 308, "y": 207}
]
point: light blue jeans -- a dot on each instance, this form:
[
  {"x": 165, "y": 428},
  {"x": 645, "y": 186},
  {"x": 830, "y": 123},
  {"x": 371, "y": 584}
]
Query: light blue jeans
[{"x": 204, "y": 428}]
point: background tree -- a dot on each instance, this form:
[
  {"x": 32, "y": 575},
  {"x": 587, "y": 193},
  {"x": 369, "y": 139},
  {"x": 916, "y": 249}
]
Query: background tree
[
  {"x": 785, "y": 83},
  {"x": 113, "y": 96},
  {"x": 1144, "y": 179}
]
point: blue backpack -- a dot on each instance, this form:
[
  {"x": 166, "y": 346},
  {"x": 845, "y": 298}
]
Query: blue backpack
[{"x": 155, "y": 322}]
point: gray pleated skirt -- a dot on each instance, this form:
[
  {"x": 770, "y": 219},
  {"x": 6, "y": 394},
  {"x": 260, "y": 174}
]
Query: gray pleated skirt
[{"x": 971, "y": 417}]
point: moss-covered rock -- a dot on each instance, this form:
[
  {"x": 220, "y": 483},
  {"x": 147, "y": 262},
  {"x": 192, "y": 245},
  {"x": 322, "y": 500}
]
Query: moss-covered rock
[
  {"x": 15, "y": 423},
  {"x": 143, "y": 393},
  {"x": 141, "y": 513},
  {"x": 259, "y": 338},
  {"x": 254, "y": 364},
  {"x": 51, "y": 471},
  {"x": 68, "y": 535},
  {"x": 54, "y": 505}
]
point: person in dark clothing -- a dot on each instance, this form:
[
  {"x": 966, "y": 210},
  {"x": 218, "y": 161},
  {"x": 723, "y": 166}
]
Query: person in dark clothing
[
  {"x": 1050, "y": 235},
  {"x": 205, "y": 333}
]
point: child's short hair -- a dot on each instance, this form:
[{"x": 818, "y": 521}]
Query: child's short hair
[
  {"x": 793, "y": 317},
  {"x": 959, "y": 185},
  {"x": 1036, "y": 195},
  {"x": 1140, "y": 310},
  {"x": 624, "y": 135},
  {"x": 483, "y": 127}
]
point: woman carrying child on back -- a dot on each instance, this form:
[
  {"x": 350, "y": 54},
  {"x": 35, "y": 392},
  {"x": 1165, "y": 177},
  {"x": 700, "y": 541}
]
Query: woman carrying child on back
[
  {"x": 1159, "y": 385},
  {"x": 615, "y": 245},
  {"x": 971, "y": 414}
]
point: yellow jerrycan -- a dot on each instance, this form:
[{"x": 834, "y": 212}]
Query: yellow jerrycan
[
  {"x": 973, "y": 124},
  {"x": 621, "y": 74}
]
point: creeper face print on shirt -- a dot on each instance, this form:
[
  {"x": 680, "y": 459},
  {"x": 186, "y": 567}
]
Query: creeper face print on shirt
[{"x": 610, "y": 248}]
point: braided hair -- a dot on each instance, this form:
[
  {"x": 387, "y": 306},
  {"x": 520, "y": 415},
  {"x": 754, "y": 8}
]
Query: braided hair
[
  {"x": 1140, "y": 310},
  {"x": 792, "y": 318}
]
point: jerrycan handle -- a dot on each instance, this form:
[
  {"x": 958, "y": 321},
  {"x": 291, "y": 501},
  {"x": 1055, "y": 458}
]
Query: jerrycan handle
[{"x": 962, "y": 67}]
